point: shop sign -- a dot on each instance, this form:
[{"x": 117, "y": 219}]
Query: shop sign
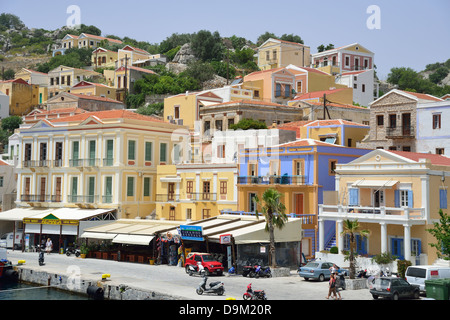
[
  {"x": 225, "y": 239},
  {"x": 50, "y": 219},
  {"x": 194, "y": 233}
]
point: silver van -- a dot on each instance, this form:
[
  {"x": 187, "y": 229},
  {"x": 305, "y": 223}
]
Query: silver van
[{"x": 418, "y": 274}]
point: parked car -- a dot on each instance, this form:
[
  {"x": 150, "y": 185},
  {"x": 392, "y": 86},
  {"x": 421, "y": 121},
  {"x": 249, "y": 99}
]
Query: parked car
[
  {"x": 418, "y": 274},
  {"x": 318, "y": 270},
  {"x": 394, "y": 288},
  {"x": 207, "y": 261}
]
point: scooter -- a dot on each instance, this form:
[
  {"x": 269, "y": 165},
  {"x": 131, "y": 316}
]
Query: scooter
[
  {"x": 254, "y": 295},
  {"x": 41, "y": 258},
  {"x": 341, "y": 281},
  {"x": 214, "y": 287},
  {"x": 200, "y": 270},
  {"x": 249, "y": 271},
  {"x": 362, "y": 274},
  {"x": 263, "y": 272},
  {"x": 74, "y": 251}
]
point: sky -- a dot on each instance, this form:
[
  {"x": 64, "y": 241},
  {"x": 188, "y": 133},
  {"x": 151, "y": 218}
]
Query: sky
[{"x": 401, "y": 33}]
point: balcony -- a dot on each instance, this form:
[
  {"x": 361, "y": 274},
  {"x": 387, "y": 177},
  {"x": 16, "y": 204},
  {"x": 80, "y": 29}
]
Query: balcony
[
  {"x": 39, "y": 198},
  {"x": 83, "y": 199},
  {"x": 400, "y": 132},
  {"x": 168, "y": 197},
  {"x": 308, "y": 220},
  {"x": 84, "y": 163},
  {"x": 391, "y": 215},
  {"x": 277, "y": 180},
  {"x": 201, "y": 196},
  {"x": 36, "y": 164}
]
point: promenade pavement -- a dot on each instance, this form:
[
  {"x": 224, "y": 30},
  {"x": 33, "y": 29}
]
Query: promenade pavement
[{"x": 174, "y": 281}]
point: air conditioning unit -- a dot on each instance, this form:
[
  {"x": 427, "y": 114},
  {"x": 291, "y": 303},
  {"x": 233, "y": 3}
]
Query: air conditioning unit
[
  {"x": 169, "y": 118},
  {"x": 180, "y": 122}
]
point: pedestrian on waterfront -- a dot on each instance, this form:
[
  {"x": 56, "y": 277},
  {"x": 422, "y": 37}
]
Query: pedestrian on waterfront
[
  {"x": 333, "y": 269},
  {"x": 332, "y": 287},
  {"x": 48, "y": 245},
  {"x": 338, "y": 284}
]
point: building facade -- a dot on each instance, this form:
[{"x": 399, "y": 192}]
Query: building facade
[{"x": 275, "y": 53}]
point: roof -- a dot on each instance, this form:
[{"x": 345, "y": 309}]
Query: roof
[
  {"x": 297, "y": 69},
  {"x": 136, "y": 49},
  {"x": 412, "y": 95},
  {"x": 19, "y": 80},
  {"x": 108, "y": 114},
  {"x": 137, "y": 69},
  {"x": 100, "y": 37},
  {"x": 334, "y": 122},
  {"x": 283, "y": 41},
  {"x": 252, "y": 102},
  {"x": 318, "y": 94},
  {"x": 435, "y": 159},
  {"x": 307, "y": 143},
  {"x": 86, "y": 97},
  {"x": 336, "y": 105},
  {"x": 87, "y": 83},
  {"x": 422, "y": 96}
]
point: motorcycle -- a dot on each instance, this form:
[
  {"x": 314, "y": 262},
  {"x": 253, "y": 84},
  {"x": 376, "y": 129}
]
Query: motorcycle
[
  {"x": 263, "y": 272},
  {"x": 199, "y": 269},
  {"x": 41, "y": 258},
  {"x": 340, "y": 283},
  {"x": 214, "y": 287},
  {"x": 362, "y": 274},
  {"x": 249, "y": 271},
  {"x": 254, "y": 295},
  {"x": 74, "y": 251}
]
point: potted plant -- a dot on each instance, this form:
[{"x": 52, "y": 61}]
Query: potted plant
[{"x": 83, "y": 251}]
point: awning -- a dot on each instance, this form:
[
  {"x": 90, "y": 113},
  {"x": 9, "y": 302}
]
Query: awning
[
  {"x": 132, "y": 239},
  {"x": 363, "y": 183},
  {"x": 72, "y": 213},
  {"x": 18, "y": 214},
  {"x": 98, "y": 235}
]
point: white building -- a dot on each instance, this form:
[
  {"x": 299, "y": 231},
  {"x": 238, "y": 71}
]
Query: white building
[
  {"x": 433, "y": 135},
  {"x": 4, "y": 105},
  {"x": 365, "y": 90}
]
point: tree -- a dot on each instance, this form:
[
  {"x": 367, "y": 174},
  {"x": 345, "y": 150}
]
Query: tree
[
  {"x": 292, "y": 38},
  {"x": 246, "y": 124},
  {"x": 11, "y": 123},
  {"x": 441, "y": 232},
  {"x": 352, "y": 228},
  {"x": 264, "y": 37},
  {"x": 322, "y": 48},
  {"x": 207, "y": 46},
  {"x": 8, "y": 74},
  {"x": 438, "y": 75},
  {"x": 274, "y": 212}
]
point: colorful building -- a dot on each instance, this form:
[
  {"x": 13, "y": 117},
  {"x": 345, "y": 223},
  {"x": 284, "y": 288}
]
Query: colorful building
[
  {"x": 103, "y": 58},
  {"x": 84, "y": 40},
  {"x": 62, "y": 78},
  {"x": 396, "y": 195},
  {"x": 124, "y": 79},
  {"x": 275, "y": 53},
  {"x": 195, "y": 191},
  {"x": 94, "y": 160},
  {"x": 93, "y": 89},
  {"x": 301, "y": 170},
  {"x": 89, "y": 103},
  {"x": 23, "y": 97}
]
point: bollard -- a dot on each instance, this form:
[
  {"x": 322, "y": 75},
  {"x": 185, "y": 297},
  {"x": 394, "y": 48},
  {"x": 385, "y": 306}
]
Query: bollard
[{"x": 95, "y": 292}]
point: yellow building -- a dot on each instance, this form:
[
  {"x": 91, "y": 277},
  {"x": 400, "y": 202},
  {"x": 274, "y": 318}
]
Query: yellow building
[
  {"x": 275, "y": 53},
  {"x": 185, "y": 108},
  {"x": 94, "y": 89},
  {"x": 195, "y": 191},
  {"x": 32, "y": 76},
  {"x": 103, "y": 58},
  {"x": 102, "y": 160},
  {"x": 62, "y": 78},
  {"x": 124, "y": 79},
  {"x": 23, "y": 97},
  {"x": 396, "y": 195},
  {"x": 131, "y": 55}
]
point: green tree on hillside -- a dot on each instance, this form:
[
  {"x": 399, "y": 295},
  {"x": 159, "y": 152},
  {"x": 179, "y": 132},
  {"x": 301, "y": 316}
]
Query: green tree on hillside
[{"x": 207, "y": 46}]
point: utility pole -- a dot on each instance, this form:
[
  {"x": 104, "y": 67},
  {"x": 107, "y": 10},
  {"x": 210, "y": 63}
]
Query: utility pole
[
  {"x": 125, "y": 80},
  {"x": 228, "y": 63},
  {"x": 325, "y": 107}
]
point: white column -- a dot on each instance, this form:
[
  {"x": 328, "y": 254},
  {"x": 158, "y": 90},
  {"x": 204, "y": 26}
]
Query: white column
[
  {"x": 383, "y": 237},
  {"x": 340, "y": 229},
  {"x": 321, "y": 235},
  {"x": 407, "y": 243}
]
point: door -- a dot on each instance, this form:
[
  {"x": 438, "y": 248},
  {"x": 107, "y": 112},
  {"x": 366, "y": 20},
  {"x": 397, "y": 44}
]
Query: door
[
  {"x": 109, "y": 152},
  {"x": 397, "y": 248},
  {"x": 299, "y": 203},
  {"x": 58, "y": 190},
  {"x": 406, "y": 124},
  {"x": 91, "y": 190},
  {"x": 42, "y": 191},
  {"x": 108, "y": 190},
  {"x": 58, "y": 154},
  {"x": 171, "y": 191},
  {"x": 27, "y": 189},
  {"x": 92, "y": 153}
]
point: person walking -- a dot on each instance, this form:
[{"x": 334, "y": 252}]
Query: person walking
[
  {"x": 48, "y": 246},
  {"x": 339, "y": 285},
  {"x": 332, "y": 287}
]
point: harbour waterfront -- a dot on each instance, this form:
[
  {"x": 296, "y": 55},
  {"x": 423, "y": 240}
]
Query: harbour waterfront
[{"x": 24, "y": 291}]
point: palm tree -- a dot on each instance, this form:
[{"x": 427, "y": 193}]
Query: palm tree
[
  {"x": 352, "y": 228},
  {"x": 274, "y": 212}
]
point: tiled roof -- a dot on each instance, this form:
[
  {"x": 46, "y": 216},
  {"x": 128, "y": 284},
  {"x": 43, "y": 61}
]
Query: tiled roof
[
  {"x": 337, "y": 105},
  {"x": 308, "y": 142},
  {"x": 108, "y": 114},
  {"x": 423, "y": 96},
  {"x": 317, "y": 94},
  {"x": 19, "y": 80},
  {"x": 435, "y": 159},
  {"x": 334, "y": 122},
  {"x": 252, "y": 102},
  {"x": 83, "y": 96}
]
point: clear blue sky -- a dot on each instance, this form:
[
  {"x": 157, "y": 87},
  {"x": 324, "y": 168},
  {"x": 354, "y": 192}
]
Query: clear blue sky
[{"x": 413, "y": 33}]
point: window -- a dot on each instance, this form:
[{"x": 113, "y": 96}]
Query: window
[
  {"x": 27, "y": 152},
  {"x": 274, "y": 53},
  {"x": 223, "y": 187},
  {"x": 108, "y": 190},
  {"x": 251, "y": 202},
  {"x": 130, "y": 187},
  {"x": 363, "y": 89},
  {"x": 109, "y": 152},
  {"x": 287, "y": 91},
  {"x": 277, "y": 90},
  {"x": 92, "y": 152},
  {"x": 163, "y": 152},
  {"x": 299, "y": 86},
  {"x": 147, "y": 187},
  {"x": 206, "y": 190},
  {"x": 256, "y": 94},
  {"x": 188, "y": 213},
  {"x": 68, "y": 80},
  {"x": 1, "y": 181},
  {"x": 347, "y": 61},
  {"x": 437, "y": 121},
  {"x": 380, "y": 120},
  {"x": 189, "y": 189},
  {"x": 267, "y": 55},
  {"x": 176, "y": 112},
  {"x": 206, "y": 213},
  {"x": 148, "y": 151},
  {"x": 443, "y": 198},
  {"x": 131, "y": 150},
  {"x": 74, "y": 190},
  {"x": 221, "y": 151},
  {"x": 332, "y": 167},
  {"x": 440, "y": 151},
  {"x": 403, "y": 198},
  {"x": 392, "y": 120},
  {"x": 355, "y": 86},
  {"x": 230, "y": 122},
  {"x": 219, "y": 125},
  {"x": 91, "y": 189},
  {"x": 206, "y": 127}
]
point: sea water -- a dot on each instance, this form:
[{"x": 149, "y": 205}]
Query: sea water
[{"x": 25, "y": 291}]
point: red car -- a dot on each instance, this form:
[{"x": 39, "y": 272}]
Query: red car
[{"x": 207, "y": 261}]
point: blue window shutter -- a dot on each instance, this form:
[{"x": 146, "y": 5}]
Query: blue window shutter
[
  {"x": 410, "y": 198},
  {"x": 443, "y": 199},
  {"x": 353, "y": 195},
  {"x": 397, "y": 198},
  {"x": 419, "y": 247}
]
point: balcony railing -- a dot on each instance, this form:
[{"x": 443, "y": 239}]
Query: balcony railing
[
  {"x": 168, "y": 197},
  {"x": 84, "y": 162},
  {"x": 83, "y": 199},
  {"x": 202, "y": 196},
  {"x": 40, "y": 198},
  {"x": 108, "y": 162},
  {"x": 36, "y": 163},
  {"x": 285, "y": 179},
  {"x": 308, "y": 220},
  {"x": 371, "y": 213},
  {"x": 400, "y": 132}
]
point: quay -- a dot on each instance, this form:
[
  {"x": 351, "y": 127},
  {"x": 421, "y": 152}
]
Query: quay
[{"x": 137, "y": 281}]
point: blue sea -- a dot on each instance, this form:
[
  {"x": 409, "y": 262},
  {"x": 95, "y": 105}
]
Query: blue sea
[{"x": 24, "y": 291}]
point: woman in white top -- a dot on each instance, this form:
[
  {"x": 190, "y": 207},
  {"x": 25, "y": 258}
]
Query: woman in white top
[{"x": 48, "y": 246}]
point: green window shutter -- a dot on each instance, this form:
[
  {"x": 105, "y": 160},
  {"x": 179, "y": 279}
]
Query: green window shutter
[
  {"x": 130, "y": 187},
  {"x": 146, "y": 187},
  {"x": 108, "y": 186},
  {"x": 76, "y": 150},
  {"x": 131, "y": 150},
  {"x": 91, "y": 190},
  {"x": 163, "y": 152},
  {"x": 92, "y": 149},
  {"x": 110, "y": 149},
  {"x": 74, "y": 186},
  {"x": 148, "y": 151}
]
